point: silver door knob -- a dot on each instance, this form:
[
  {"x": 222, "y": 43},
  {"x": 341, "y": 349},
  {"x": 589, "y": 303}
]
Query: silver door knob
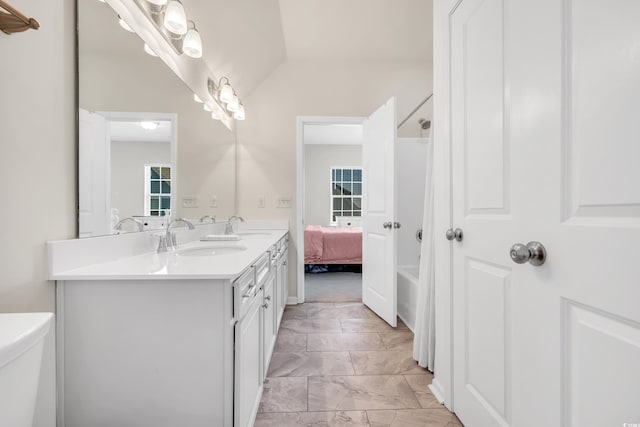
[
  {"x": 387, "y": 224},
  {"x": 454, "y": 234},
  {"x": 396, "y": 225},
  {"x": 534, "y": 252}
]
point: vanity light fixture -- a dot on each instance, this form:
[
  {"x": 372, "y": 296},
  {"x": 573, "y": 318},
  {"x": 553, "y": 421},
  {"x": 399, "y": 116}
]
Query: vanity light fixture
[
  {"x": 124, "y": 25},
  {"x": 197, "y": 99},
  {"x": 207, "y": 108},
  {"x": 192, "y": 43},
  {"x": 175, "y": 18},
  {"x": 157, "y": 2},
  {"x": 215, "y": 115},
  {"x": 146, "y": 125},
  {"x": 224, "y": 93},
  {"x": 149, "y": 50}
]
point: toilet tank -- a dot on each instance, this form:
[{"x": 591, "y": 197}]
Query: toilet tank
[{"x": 21, "y": 341}]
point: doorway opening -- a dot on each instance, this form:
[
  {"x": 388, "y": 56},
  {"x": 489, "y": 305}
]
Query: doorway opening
[{"x": 330, "y": 202}]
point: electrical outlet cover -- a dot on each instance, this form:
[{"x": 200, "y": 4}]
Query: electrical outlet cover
[{"x": 190, "y": 202}]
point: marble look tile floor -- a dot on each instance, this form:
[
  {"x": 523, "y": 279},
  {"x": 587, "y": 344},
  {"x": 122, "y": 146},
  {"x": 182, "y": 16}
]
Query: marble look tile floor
[{"x": 338, "y": 364}]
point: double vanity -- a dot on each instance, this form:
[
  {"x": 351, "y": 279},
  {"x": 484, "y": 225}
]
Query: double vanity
[{"x": 176, "y": 338}]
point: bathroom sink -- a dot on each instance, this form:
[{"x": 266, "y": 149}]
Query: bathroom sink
[{"x": 210, "y": 250}]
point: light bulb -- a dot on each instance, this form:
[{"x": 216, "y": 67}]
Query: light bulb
[
  {"x": 158, "y": 2},
  {"x": 175, "y": 19},
  {"x": 234, "y": 104},
  {"x": 192, "y": 44},
  {"x": 239, "y": 115},
  {"x": 149, "y": 125},
  {"x": 124, "y": 25},
  {"x": 207, "y": 108},
  {"x": 149, "y": 50},
  {"x": 216, "y": 115},
  {"x": 197, "y": 99},
  {"x": 226, "y": 93}
]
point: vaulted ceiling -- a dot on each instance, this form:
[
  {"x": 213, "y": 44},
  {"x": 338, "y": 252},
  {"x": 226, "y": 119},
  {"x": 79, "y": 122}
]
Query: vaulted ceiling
[{"x": 248, "y": 39}]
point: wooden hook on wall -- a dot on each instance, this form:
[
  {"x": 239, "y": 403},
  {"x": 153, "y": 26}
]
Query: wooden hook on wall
[{"x": 14, "y": 21}]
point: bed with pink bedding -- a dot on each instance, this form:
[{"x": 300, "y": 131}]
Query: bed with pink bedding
[{"x": 332, "y": 245}]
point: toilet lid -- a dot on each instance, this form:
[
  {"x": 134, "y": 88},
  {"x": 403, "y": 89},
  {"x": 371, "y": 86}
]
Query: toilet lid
[{"x": 21, "y": 331}]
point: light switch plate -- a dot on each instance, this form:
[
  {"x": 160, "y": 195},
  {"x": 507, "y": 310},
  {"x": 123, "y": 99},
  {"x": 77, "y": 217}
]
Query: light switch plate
[
  {"x": 213, "y": 202},
  {"x": 284, "y": 202},
  {"x": 261, "y": 201},
  {"x": 190, "y": 202}
]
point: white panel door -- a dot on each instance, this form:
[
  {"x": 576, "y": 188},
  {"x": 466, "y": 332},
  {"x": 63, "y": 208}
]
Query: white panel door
[
  {"x": 575, "y": 101},
  {"x": 379, "y": 239},
  {"x": 93, "y": 175},
  {"x": 482, "y": 270},
  {"x": 544, "y": 103}
]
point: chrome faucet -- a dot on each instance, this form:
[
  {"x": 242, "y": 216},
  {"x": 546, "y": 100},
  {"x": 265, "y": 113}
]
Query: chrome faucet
[
  {"x": 212, "y": 218},
  {"x": 229, "y": 227},
  {"x": 170, "y": 238},
  {"x": 137, "y": 222}
]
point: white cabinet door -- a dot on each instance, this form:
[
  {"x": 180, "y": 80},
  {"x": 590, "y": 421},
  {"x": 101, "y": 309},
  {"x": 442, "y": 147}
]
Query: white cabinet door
[
  {"x": 544, "y": 103},
  {"x": 284, "y": 278},
  {"x": 379, "y": 239},
  {"x": 282, "y": 285},
  {"x": 248, "y": 364},
  {"x": 269, "y": 321}
]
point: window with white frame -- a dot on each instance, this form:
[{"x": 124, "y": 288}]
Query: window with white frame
[
  {"x": 346, "y": 192},
  {"x": 157, "y": 190}
]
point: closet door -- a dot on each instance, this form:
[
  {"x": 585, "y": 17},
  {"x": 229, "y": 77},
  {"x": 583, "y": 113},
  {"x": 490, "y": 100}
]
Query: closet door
[
  {"x": 575, "y": 99},
  {"x": 379, "y": 238},
  {"x": 481, "y": 201},
  {"x": 544, "y": 137}
]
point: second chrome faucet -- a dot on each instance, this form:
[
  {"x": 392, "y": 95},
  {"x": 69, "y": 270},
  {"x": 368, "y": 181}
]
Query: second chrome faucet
[{"x": 228, "y": 229}]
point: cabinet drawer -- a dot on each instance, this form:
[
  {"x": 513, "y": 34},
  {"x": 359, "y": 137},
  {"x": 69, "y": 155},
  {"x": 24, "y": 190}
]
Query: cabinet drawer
[
  {"x": 262, "y": 267},
  {"x": 244, "y": 292}
]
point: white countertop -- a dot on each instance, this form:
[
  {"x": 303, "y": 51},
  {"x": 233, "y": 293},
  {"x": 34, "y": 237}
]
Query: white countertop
[{"x": 172, "y": 265}]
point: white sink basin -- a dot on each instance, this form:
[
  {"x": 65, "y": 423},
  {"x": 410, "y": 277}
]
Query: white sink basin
[{"x": 210, "y": 250}]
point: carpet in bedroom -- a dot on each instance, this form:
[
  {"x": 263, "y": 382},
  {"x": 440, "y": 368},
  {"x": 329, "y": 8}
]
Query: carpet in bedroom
[{"x": 333, "y": 287}]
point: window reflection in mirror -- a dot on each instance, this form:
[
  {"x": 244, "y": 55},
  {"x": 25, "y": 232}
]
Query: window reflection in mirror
[{"x": 137, "y": 118}]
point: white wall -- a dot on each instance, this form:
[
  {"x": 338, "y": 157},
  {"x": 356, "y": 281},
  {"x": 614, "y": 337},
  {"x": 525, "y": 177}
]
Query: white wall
[
  {"x": 267, "y": 139},
  {"x": 38, "y": 174},
  {"x": 319, "y": 159},
  {"x": 128, "y": 159},
  {"x": 206, "y": 148}
]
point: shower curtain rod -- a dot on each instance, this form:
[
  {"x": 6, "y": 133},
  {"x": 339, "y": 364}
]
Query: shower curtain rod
[{"x": 415, "y": 109}]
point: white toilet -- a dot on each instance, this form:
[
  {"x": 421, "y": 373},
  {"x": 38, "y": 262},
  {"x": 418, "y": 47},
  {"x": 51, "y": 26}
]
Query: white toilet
[{"x": 21, "y": 341}]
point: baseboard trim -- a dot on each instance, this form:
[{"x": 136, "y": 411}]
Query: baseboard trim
[
  {"x": 292, "y": 300},
  {"x": 409, "y": 325},
  {"x": 437, "y": 390}
]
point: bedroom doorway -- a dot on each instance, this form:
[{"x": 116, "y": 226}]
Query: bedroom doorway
[{"x": 330, "y": 203}]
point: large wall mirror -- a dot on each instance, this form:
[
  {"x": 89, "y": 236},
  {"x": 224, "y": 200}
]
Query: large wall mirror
[{"x": 147, "y": 150}]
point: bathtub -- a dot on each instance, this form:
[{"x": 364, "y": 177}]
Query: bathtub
[{"x": 408, "y": 294}]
